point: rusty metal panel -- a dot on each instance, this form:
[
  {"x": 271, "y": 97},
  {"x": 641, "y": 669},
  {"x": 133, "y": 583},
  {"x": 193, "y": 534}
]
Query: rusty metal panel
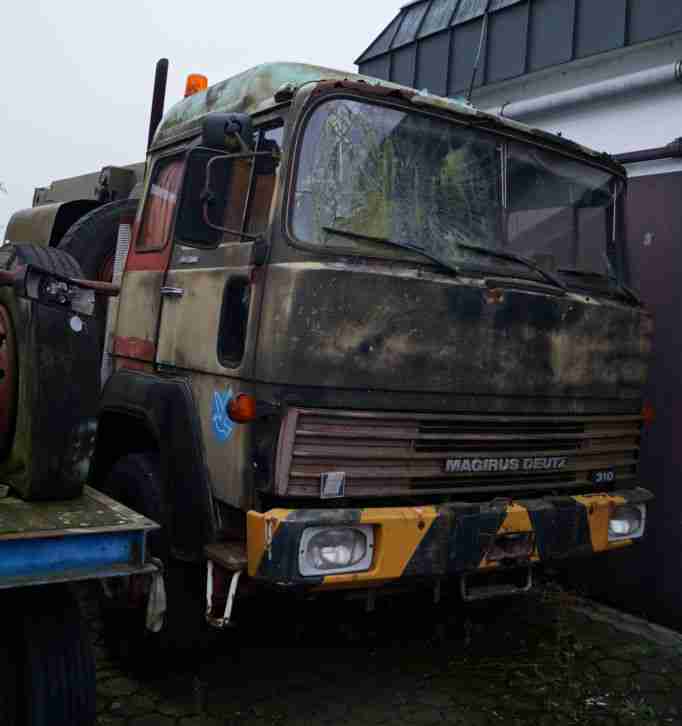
[
  {"x": 32, "y": 225},
  {"x": 138, "y": 310},
  {"x": 88, "y": 537},
  {"x": 367, "y": 326},
  {"x": 92, "y": 513},
  {"x": 391, "y": 454}
]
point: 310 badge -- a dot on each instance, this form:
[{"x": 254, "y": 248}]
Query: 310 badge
[{"x": 603, "y": 476}]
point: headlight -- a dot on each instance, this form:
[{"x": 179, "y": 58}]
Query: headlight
[
  {"x": 627, "y": 522},
  {"x": 332, "y": 550}
]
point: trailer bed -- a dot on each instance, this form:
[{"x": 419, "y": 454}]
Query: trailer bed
[{"x": 89, "y": 537}]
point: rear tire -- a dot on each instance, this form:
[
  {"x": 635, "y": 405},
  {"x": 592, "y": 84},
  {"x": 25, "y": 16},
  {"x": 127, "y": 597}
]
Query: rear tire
[
  {"x": 8, "y": 673},
  {"x": 58, "y": 684},
  {"x": 49, "y": 373},
  {"x": 135, "y": 481},
  {"x": 92, "y": 239}
]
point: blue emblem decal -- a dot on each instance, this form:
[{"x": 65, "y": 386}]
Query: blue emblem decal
[{"x": 222, "y": 426}]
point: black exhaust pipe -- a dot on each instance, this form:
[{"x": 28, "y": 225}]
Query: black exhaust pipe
[{"x": 158, "y": 99}]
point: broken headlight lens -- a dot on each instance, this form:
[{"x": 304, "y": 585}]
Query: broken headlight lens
[
  {"x": 333, "y": 550},
  {"x": 627, "y": 522}
]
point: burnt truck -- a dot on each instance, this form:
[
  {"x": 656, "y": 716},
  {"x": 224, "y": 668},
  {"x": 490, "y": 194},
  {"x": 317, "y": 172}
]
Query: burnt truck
[{"x": 366, "y": 337}]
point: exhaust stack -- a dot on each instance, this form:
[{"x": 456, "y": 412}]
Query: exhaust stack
[{"x": 158, "y": 99}]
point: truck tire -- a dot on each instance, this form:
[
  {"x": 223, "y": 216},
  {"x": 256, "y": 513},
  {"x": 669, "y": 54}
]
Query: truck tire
[
  {"x": 49, "y": 372},
  {"x": 58, "y": 674},
  {"x": 8, "y": 676},
  {"x": 92, "y": 239},
  {"x": 135, "y": 481}
]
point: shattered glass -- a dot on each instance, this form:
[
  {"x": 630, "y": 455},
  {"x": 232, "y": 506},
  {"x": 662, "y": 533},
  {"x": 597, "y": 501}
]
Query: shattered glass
[
  {"x": 383, "y": 173},
  {"x": 372, "y": 178}
]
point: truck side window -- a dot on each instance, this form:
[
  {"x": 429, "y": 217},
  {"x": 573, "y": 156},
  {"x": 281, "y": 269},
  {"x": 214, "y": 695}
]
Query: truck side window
[
  {"x": 233, "y": 319},
  {"x": 242, "y": 194},
  {"x": 160, "y": 205},
  {"x": 260, "y": 200}
]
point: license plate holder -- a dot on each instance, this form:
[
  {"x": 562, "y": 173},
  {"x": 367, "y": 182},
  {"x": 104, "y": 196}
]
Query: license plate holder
[{"x": 499, "y": 582}]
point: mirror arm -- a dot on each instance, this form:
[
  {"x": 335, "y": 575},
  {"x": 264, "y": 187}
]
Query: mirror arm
[
  {"x": 17, "y": 277},
  {"x": 106, "y": 289},
  {"x": 218, "y": 228}
]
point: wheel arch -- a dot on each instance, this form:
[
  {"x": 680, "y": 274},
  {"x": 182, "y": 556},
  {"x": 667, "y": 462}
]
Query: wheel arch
[
  {"x": 142, "y": 412},
  {"x": 47, "y": 223}
]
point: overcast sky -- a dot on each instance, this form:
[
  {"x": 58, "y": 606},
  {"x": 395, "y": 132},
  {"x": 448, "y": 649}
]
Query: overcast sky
[{"x": 78, "y": 75}]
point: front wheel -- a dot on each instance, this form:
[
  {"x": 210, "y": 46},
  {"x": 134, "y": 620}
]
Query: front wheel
[{"x": 135, "y": 481}]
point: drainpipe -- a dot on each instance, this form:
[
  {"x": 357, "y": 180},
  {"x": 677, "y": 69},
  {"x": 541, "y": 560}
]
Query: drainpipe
[
  {"x": 641, "y": 81},
  {"x": 673, "y": 150}
]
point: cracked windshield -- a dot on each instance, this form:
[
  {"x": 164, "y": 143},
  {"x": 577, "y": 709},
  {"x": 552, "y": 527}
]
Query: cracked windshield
[{"x": 372, "y": 177}]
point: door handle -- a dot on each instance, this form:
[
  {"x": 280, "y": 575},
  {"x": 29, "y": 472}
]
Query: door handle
[{"x": 172, "y": 291}]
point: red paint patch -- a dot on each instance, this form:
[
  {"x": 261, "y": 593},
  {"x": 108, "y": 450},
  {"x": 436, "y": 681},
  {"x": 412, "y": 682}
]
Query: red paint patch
[
  {"x": 156, "y": 261},
  {"x": 134, "y": 348}
]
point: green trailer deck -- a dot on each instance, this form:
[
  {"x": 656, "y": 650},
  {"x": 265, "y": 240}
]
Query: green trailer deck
[{"x": 89, "y": 537}]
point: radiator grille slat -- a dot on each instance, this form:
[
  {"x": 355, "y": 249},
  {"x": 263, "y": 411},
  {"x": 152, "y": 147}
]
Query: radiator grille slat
[{"x": 401, "y": 454}]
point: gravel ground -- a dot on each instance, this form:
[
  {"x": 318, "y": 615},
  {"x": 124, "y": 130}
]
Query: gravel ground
[{"x": 548, "y": 659}]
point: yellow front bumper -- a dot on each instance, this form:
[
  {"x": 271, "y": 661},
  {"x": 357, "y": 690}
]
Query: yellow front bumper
[{"x": 436, "y": 541}]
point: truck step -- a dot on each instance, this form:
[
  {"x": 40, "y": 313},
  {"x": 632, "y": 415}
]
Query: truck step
[{"x": 231, "y": 556}]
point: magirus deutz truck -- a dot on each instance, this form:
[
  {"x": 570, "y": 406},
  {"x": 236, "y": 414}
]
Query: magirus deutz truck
[{"x": 365, "y": 338}]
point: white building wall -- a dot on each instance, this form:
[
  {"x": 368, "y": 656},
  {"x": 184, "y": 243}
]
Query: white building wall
[{"x": 641, "y": 120}]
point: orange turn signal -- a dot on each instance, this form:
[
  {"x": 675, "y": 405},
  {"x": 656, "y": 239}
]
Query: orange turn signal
[
  {"x": 242, "y": 408},
  {"x": 648, "y": 414},
  {"x": 195, "y": 83}
]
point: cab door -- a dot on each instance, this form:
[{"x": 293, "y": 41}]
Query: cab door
[
  {"x": 204, "y": 306},
  {"x": 207, "y": 329},
  {"x": 137, "y": 313}
]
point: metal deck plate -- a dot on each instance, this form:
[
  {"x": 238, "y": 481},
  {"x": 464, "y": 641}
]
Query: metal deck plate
[
  {"x": 91, "y": 513},
  {"x": 85, "y": 538}
]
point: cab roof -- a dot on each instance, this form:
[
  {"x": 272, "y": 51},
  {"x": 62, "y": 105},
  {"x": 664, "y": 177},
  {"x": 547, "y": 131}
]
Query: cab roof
[{"x": 254, "y": 90}]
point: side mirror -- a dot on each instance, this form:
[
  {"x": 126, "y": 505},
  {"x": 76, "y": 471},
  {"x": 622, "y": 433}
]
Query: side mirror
[{"x": 219, "y": 129}]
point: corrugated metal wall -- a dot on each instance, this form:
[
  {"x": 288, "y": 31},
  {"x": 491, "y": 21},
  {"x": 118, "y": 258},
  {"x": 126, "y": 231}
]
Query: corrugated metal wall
[{"x": 432, "y": 43}]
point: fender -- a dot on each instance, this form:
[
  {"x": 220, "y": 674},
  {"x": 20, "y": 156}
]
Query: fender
[
  {"x": 162, "y": 412},
  {"x": 46, "y": 224}
]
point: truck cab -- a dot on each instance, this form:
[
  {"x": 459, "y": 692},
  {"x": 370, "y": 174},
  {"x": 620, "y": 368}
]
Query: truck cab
[{"x": 376, "y": 335}]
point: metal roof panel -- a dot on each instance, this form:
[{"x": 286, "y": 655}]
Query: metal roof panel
[
  {"x": 438, "y": 16},
  {"x": 412, "y": 20}
]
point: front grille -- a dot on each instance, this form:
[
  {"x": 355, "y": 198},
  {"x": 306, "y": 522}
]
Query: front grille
[{"x": 401, "y": 454}]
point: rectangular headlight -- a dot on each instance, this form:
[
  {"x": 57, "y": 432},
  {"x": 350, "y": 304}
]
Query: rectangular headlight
[
  {"x": 627, "y": 522},
  {"x": 334, "y": 550}
]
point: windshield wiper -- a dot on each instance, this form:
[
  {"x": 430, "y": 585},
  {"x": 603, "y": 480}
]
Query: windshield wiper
[
  {"x": 512, "y": 257},
  {"x": 403, "y": 245},
  {"x": 623, "y": 289}
]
